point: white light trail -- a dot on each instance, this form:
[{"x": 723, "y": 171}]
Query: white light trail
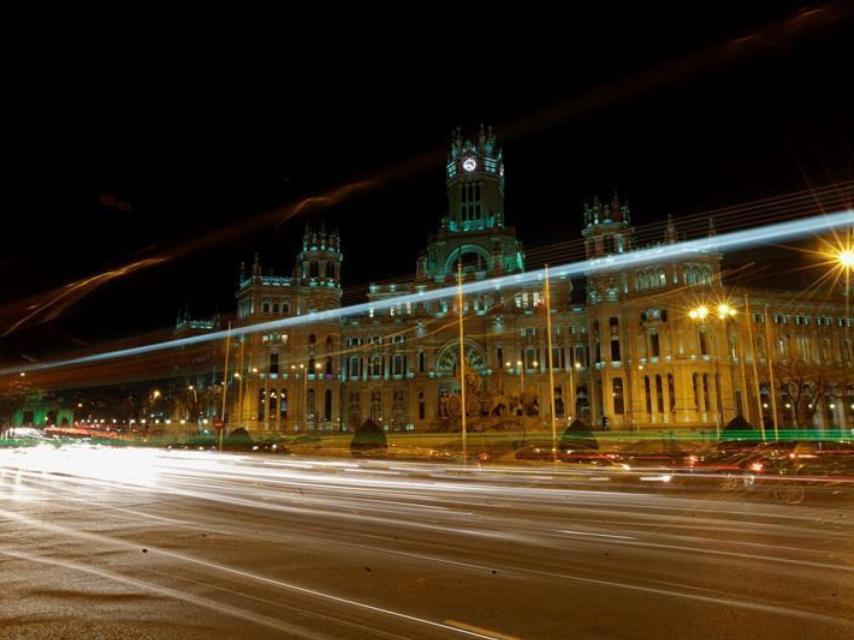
[
  {"x": 731, "y": 241},
  {"x": 80, "y": 498}
]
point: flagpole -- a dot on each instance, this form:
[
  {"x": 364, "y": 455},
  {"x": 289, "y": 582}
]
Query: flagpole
[
  {"x": 462, "y": 360},
  {"x": 755, "y": 368},
  {"x": 225, "y": 384},
  {"x": 551, "y": 363},
  {"x": 769, "y": 350},
  {"x": 240, "y": 381}
]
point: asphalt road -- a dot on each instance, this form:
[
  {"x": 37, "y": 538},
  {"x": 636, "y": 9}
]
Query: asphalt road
[{"x": 105, "y": 543}]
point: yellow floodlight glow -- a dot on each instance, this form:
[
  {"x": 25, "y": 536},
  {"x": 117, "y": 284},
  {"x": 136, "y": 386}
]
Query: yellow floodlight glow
[
  {"x": 845, "y": 258},
  {"x": 700, "y": 313},
  {"x": 725, "y": 311}
]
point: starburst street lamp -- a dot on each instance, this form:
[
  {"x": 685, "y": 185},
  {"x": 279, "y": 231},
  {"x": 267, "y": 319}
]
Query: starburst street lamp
[
  {"x": 699, "y": 313},
  {"x": 723, "y": 312}
]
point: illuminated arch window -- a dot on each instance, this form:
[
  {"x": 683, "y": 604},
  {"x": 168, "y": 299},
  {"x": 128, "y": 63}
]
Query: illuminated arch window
[
  {"x": 473, "y": 256},
  {"x": 448, "y": 357}
]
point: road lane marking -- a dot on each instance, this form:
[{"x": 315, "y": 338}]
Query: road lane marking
[
  {"x": 597, "y": 535},
  {"x": 488, "y": 633}
]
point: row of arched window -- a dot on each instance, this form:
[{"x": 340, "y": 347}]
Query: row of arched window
[
  {"x": 656, "y": 277},
  {"x": 650, "y": 279},
  {"x": 697, "y": 274}
]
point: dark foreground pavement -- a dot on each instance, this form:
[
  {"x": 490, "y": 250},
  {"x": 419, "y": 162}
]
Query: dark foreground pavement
[{"x": 99, "y": 543}]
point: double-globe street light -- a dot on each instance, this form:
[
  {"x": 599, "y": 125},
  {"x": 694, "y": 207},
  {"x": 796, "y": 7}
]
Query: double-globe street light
[{"x": 723, "y": 313}]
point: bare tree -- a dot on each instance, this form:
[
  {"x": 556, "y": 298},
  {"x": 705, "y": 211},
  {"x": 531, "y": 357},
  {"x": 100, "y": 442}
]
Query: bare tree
[{"x": 804, "y": 385}]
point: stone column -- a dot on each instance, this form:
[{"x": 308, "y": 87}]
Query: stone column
[{"x": 684, "y": 410}]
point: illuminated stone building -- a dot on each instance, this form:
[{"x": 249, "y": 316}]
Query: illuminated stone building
[
  {"x": 630, "y": 356},
  {"x": 290, "y": 379}
]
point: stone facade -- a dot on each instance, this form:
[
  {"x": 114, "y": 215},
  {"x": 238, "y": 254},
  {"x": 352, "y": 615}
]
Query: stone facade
[{"x": 630, "y": 357}]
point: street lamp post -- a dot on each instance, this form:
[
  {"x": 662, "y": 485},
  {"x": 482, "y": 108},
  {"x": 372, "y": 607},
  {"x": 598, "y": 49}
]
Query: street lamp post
[
  {"x": 239, "y": 376},
  {"x": 769, "y": 348},
  {"x": 755, "y": 366},
  {"x": 304, "y": 396},
  {"x": 224, "y": 385},
  {"x": 267, "y": 402},
  {"x": 462, "y": 361},
  {"x": 317, "y": 369},
  {"x": 700, "y": 314},
  {"x": 192, "y": 389},
  {"x": 745, "y": 413},
  {"x": 727, "y": 314},
  {"x": 551, "y": 364},
  {"x": 845, "y": 259}
]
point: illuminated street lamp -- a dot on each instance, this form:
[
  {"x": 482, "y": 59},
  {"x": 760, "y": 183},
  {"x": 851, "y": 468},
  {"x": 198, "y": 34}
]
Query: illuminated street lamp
[
  {"x": 723, "y": 312},
  {"x": 700, "y": 313},
  {"x": 195, "y": 394},
  {"x": 845, "y": 258}
]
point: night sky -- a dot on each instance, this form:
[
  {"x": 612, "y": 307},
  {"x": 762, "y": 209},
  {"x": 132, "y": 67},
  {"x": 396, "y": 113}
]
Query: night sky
[{"x": 194, "y": 138}]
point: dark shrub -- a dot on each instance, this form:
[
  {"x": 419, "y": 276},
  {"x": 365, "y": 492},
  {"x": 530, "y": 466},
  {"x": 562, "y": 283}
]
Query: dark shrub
[{"x": 369, "y": 437}]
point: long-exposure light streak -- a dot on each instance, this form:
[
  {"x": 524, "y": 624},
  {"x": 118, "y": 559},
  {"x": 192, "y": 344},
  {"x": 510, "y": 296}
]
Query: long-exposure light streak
[
  {"x": 731, "y": 241},
  {"x": 349, "y": 508}
]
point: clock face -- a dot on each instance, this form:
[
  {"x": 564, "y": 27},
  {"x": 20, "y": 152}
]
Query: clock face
[{"x": 469, "y": 164}]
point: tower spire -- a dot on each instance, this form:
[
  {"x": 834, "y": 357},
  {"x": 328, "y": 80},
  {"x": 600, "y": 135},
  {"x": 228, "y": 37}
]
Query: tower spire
[{"x": 608, "y": 228}]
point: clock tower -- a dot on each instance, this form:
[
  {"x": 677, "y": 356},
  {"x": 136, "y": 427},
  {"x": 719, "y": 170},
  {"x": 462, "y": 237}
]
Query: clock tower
[
  {"x": 475, "y": 180},
  {"x": 473, "y": 231}
]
